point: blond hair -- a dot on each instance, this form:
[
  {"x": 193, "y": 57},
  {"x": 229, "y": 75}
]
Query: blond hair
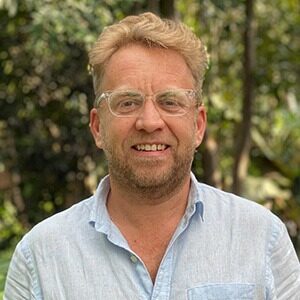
[{"x": 151, "y": 31}]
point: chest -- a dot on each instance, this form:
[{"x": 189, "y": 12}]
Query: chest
[
  {"x": 192, "y": 261},
  {"x": 150, "y": 244},
  {"x": 151, "y": 249}
]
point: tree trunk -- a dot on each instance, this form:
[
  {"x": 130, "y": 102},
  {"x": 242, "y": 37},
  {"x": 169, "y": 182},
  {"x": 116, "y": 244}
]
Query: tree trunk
[
  {"x": 243, "y": 142},
  {"x": 211, "y": 174},
  {"x": 167, "y": 9},
  {"x": 15, "y": 180},
  {"x": 153, "y": 6}
]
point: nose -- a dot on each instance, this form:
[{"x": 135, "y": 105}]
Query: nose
[{"x": 149, "y": 119}]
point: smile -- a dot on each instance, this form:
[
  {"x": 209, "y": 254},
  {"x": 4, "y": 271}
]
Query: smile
[{"x": 150, "y": 147}]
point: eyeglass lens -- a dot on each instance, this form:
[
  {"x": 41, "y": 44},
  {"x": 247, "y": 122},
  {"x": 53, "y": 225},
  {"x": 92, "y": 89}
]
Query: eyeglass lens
[{"x": 172, "y": 102}]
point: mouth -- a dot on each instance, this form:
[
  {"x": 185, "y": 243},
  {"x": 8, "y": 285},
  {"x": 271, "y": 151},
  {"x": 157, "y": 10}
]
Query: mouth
[{"x": 150, "y": 147}]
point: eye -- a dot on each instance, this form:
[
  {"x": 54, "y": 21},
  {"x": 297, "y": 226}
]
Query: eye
[
  {"x": 168, "y": 102},
  {"x": 172, "y": 101},
  {"x": 125, "y": 102}
]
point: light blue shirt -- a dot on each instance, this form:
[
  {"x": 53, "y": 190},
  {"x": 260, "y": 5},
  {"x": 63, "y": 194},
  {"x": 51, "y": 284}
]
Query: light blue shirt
[{"x": 225, "y": 247}]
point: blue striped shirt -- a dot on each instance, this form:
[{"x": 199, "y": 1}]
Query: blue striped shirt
[{"x": 225, "y": 247}]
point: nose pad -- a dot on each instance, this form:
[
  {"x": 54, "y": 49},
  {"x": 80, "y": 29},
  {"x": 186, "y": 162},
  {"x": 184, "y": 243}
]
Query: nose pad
[
  {"x": 149, "y": 118},
  {"x": 150, "y": 101}
]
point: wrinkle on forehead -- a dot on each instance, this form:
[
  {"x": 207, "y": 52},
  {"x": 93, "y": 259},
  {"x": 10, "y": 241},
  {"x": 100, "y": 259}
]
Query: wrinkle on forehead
[{"x": 147, "y": 69}]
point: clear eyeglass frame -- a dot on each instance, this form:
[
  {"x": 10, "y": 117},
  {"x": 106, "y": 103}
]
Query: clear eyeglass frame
[{"x": 129, "y": 103}]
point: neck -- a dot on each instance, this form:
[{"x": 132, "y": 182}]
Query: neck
[{"x": 126, "y": 206}]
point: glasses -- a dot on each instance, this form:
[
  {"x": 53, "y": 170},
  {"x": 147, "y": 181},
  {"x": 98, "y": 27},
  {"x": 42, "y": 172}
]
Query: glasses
[{"x": 128, "y": 103}]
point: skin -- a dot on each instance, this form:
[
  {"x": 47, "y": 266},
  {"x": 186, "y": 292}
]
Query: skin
[{"x": 148, "y": 189}]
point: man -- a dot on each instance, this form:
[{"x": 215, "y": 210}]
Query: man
[{"x": 151, "y": 231}]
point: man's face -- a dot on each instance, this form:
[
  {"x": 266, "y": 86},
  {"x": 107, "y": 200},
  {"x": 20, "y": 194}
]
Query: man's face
[{"x": 167, "y": 142}]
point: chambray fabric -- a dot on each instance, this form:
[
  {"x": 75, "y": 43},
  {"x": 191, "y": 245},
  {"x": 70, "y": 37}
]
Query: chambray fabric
[{"x": 225, "y": 247}]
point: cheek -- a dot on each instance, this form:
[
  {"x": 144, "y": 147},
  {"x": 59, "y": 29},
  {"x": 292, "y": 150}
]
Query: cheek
[
  {"x": 115, "y": 133},
  {"x": 191, "y": 135},
  {"x": 183, "y": 132},
  {"x": 187, "y": 129}
]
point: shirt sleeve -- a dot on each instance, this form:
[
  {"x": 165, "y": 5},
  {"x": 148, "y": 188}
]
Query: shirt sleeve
[
  {"x": 284, "y": 266},
  {"x": 21, "y": 279}
]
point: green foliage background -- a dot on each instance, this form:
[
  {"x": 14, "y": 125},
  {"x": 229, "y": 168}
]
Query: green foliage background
[{"x": 48, "y": 160}]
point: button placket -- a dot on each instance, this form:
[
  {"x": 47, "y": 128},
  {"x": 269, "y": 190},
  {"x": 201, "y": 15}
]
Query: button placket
[{"x": 162, "y": 285}]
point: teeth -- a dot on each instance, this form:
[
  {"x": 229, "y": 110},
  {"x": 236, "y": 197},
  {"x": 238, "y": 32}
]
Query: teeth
[{"x": 149, "y": 147}]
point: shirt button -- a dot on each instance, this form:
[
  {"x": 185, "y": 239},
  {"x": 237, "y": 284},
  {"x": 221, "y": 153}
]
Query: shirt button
[{"x": 133, "y": 258}]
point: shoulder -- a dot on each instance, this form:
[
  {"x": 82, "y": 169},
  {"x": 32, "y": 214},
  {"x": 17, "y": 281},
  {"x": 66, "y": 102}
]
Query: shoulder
[
  {"x": 228, "y": 207},
  {"x": 245, "y": 219},
  {"x": 218, "y": 198},
  {"x": 61, "y": 224}
]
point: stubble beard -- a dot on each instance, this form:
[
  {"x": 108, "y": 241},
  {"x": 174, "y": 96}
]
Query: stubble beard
[{"x": 145, "y": 180}]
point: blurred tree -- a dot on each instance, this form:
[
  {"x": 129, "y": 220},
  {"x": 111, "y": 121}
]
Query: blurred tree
[
  {"x": 273, "y": 156},
  {"x": 167, "y": 8},
  {"x": 243, "y": 141},
  {"x": 45, "y": 93},
  {"x": 48, "y": 160}
]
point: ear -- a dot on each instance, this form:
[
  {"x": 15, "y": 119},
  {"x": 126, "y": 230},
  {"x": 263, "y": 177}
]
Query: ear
[
  {"x": 95, "y": 127},
  {"x": 200, "y": 125}
]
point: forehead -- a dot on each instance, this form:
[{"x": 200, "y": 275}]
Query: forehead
[{"x": 136, "y": 66}]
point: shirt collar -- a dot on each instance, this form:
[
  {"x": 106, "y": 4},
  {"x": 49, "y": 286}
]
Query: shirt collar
[
  {"x": 99, "y": 216},
  {"x": 195, "y": 204}
]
